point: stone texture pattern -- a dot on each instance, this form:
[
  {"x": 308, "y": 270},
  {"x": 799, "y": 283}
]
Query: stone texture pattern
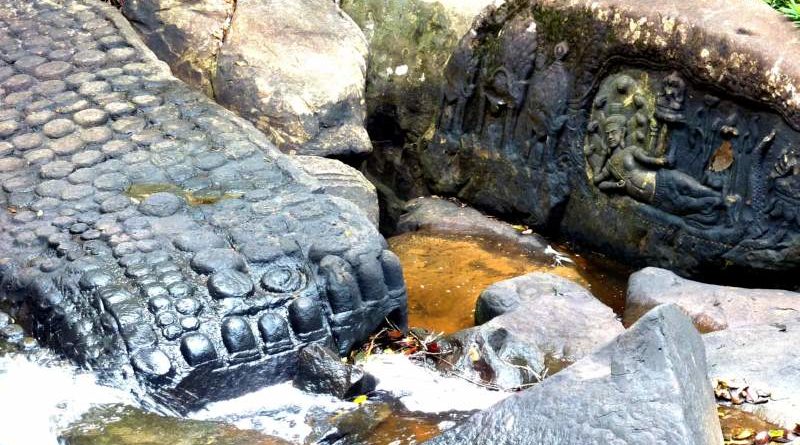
[
  {"x": 145, "y": 225},
  {"x": 711, "y": 307},
  {"x": 343, "y": 181},
  {"x": 764, "y": 358},
  {"x": 296, "y": 70},
  {"x": 649, "y": 385}
]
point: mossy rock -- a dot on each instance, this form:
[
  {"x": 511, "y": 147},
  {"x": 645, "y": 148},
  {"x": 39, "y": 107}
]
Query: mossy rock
[{"x": 120, "y": 425}]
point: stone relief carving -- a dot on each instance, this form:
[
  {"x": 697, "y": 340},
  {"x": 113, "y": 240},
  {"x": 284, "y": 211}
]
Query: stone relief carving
[
  {"x": 629, "y": 139},
  {"x": 616, "y": 152}
]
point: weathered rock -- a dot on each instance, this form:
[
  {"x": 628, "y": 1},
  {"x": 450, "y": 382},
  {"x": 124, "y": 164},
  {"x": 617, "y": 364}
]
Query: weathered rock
[
  {"x": 441, "y": 215},
  {"x": 343, "y": 181},
  {"x": 712, "y": 308},
  {"x": 657, "y": 132},
  {"x": 321, "y": 371},
  {"x": 410, "y": 42},
  {"x": 101, "y": 252},
  {"x": 648, "y": 385},
  {"x": 296, "y": 70},
  {"x": 764, "y": 357},
  {"x": 186, "y": 35},
  {"x": 528, "y": 324}
]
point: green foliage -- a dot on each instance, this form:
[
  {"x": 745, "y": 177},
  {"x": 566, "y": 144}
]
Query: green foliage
[{"x": 790, "y": 8}]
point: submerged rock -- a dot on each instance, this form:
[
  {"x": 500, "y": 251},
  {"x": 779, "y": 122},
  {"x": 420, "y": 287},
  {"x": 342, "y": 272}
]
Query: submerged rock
[
  {"x": 530, "y": 326},
  {"x": 434, "y": 214},
  {"x": 296, "y": 70},
  {"x": 765, "y": 358},
  {"x": 711, "y": 307},
  {"x": 648, "y": 385},
  {"x": 116, "y": 425},
  {"x": 657, "y": 132},
  {"x": 157, "y": 234}
]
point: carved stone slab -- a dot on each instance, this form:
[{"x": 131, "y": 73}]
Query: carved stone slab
[{"x": 665, "y": 133}]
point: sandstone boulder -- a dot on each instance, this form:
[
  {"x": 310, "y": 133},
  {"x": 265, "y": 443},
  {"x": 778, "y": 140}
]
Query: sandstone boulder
[
  {"x": 296, "y": 70},
  {"x": 530, "y": 326},
  {"x": 186, "y": 35},
  {"x": 648, "y": 385},
  {"x": 712, "y": 308}
]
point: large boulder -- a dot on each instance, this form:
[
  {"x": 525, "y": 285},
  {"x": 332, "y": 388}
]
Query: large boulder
[
  {"x": 343, "y": 181},
  {"x": 648, "y": 385},
  {"x": 147, "y": 231},
  {"x": 530, "y": 326},
  {"x": 658, "y": 132},
  {"x": 433, "y": 214},
  {"x": 765, "y": 358},
  {"x": 296, "y": 70},
  {"x": 186, "y": 35},
  {"x": 711, "y": 307}
]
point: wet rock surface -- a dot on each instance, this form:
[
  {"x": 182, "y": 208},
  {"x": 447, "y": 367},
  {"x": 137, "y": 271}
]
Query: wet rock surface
[
  {"x": 441, "y": 215},
  {"x": 102, "y": 259},
  {"x": 762, "y": 357},
  {"x": 343, "y": 181},
  {"x": 320, "y": 371},
  {"x": 711, "y": 307},
  {"x": 296, "y": 70},
  {"x": 116, "y": 425},
  {"x": 530, "y": 326},
  {"x": 666, "y": 139},
  {"x": 649, "y": 385}
]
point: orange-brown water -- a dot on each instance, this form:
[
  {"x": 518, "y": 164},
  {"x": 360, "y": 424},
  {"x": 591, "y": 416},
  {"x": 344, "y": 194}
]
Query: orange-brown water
[{"x": 445, "y": 274}]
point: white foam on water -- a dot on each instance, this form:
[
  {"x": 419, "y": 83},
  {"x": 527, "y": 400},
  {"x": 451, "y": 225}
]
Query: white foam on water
[
  {"x": 426, "y": 390},
  {"x": 279, "y": 410},
  {"x": 39, "y": 400}
]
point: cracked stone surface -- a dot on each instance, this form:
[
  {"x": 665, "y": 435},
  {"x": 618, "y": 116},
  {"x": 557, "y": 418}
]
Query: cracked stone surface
[{"x": 144, "y": 225}]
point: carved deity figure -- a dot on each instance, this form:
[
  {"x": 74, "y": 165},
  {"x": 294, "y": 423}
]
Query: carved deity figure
[
  {"x": 544, "y": 116},
  {"x": 632, "y": 170}
]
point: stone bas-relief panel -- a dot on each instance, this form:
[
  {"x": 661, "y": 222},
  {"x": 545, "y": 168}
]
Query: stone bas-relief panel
[
  {"x": 639, "y": 158},
  {"x": 694, "y": 161}
]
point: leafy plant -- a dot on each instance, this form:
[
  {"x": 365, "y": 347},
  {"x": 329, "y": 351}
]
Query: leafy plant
[{"x": 789, "y": 8}]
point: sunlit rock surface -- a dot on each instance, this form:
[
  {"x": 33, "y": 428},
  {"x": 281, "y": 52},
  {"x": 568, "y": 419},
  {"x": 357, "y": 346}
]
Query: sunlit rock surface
[
  {"x": 296, "y": 70},
  {"x": 711, "y": 307},
  {"x": 649, "y": 385}
]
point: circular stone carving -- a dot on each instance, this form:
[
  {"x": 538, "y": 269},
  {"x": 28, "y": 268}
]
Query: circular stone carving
[
  {"x": 284, "y": 279},
  {"x": 153, "y": 362},
  {"x": 229, "y": 283}
]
